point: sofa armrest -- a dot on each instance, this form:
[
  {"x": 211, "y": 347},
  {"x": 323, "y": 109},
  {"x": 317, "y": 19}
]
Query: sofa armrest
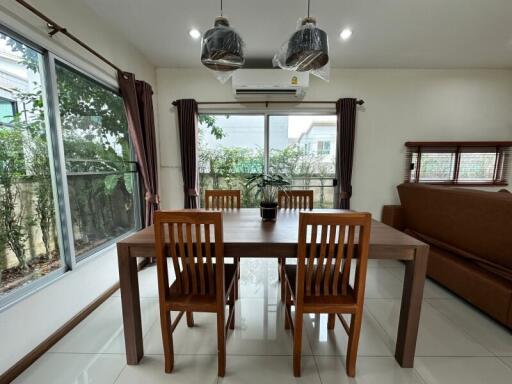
[{"x": 392, "y": 215}]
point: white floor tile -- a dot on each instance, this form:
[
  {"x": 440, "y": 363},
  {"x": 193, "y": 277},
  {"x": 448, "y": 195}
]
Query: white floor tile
[
  {"x": 382, "y": 264},
  {"x": 268, "y": 370},
  {"x": 102, "y": 331},
  {"x": 507, "y": 360},
  {"x": 187, "y": 370},
  {"x": 200, "y": 340},
  {"x": 463, "y": 370},
  {"x": 456, "y": 343},
  {"x": 486, "y": 331},
  {"x": 369, "y": 370},
  {"x": 437, "y": 336},
  {"x": 382, "y": 283},
  {"x": 259, "y": 280},
  {"x": 63, "y": 368},
  {"x": 373, "y": 341},
  {"x": 432, "y": 290},
  {"x": 259, "y": 330}
]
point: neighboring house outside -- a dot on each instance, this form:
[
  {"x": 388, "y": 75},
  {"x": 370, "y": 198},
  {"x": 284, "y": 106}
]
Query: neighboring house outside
[
  {"x": 319, "y": 140},
  {"x": 13, "y": 78}
]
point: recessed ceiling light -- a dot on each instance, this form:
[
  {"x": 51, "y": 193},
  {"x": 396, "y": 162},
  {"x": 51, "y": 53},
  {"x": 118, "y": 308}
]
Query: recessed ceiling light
[
  {"x": 194, "y": 33},
  {"x": 346, "y": 33}
]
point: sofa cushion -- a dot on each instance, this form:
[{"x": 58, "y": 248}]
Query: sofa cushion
[{"x": 476, "y": 222}]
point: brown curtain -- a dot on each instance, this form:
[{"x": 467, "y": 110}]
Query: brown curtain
[
  {"x": 187, "y": 122},
  {"x": 346, "y": 113},
  {"x": 137, "y": 96}
]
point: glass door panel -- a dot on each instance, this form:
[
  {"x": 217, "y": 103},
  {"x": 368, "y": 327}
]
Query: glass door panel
[
  {"x": 231, "y": 147},
  {"x": 303, "y": 149}
]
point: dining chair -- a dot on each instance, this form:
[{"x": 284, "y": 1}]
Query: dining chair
[
  {"x": 294, "y": 199},
  {"x": 320, "y": 282},
  {"x": 224, "y": 199},
  {"x": 200, "y": 285}
]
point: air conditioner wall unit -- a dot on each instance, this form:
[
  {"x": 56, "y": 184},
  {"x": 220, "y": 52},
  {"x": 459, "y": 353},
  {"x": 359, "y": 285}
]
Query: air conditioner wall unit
[{"x": 269, "y": 84}]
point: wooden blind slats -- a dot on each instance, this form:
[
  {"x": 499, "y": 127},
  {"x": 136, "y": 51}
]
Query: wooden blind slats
[{"x": 464, "y": 163}]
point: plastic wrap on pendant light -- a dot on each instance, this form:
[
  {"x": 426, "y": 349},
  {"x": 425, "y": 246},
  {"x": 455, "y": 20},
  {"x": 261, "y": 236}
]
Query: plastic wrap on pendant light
[
  {"x": 222, "y": 49},
  {"x": 306, "y": 50}
]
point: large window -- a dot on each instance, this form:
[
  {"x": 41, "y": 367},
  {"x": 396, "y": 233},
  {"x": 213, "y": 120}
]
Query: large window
[
  {"x": 469, "y": 163},
  {"x": 68, "y": 183},
  {"x": 98, "y": 160},
  {"x": 299, "y": 147},
  {"x": 29, "y": 246}
]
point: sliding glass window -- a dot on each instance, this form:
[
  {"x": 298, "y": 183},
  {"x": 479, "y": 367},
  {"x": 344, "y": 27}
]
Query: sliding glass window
[
  {"x": 29, "y": 245},
  {"x": 98, "y": 160},
  {"x": 68, "y": 180},
  {"x": 302, "y": 148}
]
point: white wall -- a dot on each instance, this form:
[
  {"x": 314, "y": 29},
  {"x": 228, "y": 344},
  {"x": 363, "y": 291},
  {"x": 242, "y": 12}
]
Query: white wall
[
  {"x": 27, "y": 323},
  {"x": 400, "y": 106}
]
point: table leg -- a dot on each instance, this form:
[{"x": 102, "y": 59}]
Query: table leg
[
  {"x": 130, "y": 301},
  {"x": 412, "y": 297}
]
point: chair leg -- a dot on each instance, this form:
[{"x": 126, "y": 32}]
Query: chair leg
[
  {"x": 283, "y": 282},
  {"x": 297, "y": 342},
  {"x": 190, "y": 319},
  {"x": 353, "y": 343},
  {"x": 232, "y": 298},
  {"x": 331, "y": 320},
  {"x": 236, "y": 287},
  {"x": 288, "y": 304},
  {"x": 165, "y": 324},
  {"x": 221, "y": 344}
]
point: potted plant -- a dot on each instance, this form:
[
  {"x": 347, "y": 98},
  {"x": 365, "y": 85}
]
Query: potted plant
[{"x": 267, "y": 187}]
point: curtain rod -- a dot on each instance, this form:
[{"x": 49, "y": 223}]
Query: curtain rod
[
  {"x": 358, "y": 102},
  {"x": 56, "y": 28}
]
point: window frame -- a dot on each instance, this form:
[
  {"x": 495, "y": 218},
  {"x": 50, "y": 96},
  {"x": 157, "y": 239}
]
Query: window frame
[
  {"x": 14, "y": 108},
  {"x": 457, "y": 148},
  {"x": 58, "y": 174},
  {"x": 267, "y": 113}
]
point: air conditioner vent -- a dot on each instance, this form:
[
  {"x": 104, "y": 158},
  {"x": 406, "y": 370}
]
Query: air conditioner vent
[
  {"x": 267, "y": 91},
  {"x": 269, "y": 84}
]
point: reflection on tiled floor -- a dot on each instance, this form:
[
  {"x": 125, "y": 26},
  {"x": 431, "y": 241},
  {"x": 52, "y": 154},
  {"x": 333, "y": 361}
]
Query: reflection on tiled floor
[{"x": 456, "y": 343}]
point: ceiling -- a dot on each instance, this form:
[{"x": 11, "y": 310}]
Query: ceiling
[{"x": 386, "y": 33}]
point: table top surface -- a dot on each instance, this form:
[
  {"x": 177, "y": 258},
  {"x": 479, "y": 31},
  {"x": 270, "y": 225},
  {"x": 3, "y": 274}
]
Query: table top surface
[{"x": 245, "y": 227}]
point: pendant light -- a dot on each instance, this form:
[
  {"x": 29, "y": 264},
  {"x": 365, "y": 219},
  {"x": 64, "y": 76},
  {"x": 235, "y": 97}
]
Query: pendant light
[
  {"x": 222, "y": 47},
  {"x": 308, "y": 48}
]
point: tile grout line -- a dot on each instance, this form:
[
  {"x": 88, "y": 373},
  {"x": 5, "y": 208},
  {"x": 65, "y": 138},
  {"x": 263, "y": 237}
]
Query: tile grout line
[
  {"x": 120, "y": 373},
  {"x": 462, "y": 329}
]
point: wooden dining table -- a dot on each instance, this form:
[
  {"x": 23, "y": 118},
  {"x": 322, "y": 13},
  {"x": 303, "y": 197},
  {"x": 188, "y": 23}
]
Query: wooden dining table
[{"x": 247, "y": 236}]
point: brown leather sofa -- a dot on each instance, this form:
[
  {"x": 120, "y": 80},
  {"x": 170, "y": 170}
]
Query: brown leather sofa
[{"x": 470, "y": 238}]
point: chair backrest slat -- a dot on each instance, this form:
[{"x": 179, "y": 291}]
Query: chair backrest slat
[
  {"x": 311, "y": 260},
  {"x": 172, "y": 249},
  {"x": 330, "y": 257},
  {"x": 320, "y": 261},
  {"x": 222, "y": 199},
  {"x": 324, "y": 267},
  {"x": 184, "y": 262},
  {"x": 347, "y": 264},
  {"x": 339, "y": 258},
  {"x": 209, "y": 263},
  {"x": 191, "y": 259},
  {"x": 200, "y": 263},
  {"x": 295, "y": 199},
  {"x": 185, "y": 236}
]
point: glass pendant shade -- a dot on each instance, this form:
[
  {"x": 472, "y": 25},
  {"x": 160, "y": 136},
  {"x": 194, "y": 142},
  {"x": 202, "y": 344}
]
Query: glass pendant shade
[
  {"x": 308, "y": 47},
  {"x": 222, "y": 47}
]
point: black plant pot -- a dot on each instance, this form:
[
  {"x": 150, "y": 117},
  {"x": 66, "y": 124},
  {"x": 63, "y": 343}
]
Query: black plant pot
[{"x": 268, "y": 211}]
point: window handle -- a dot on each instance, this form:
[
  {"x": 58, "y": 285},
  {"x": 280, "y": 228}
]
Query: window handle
[{"x": 334, "y": 182}]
